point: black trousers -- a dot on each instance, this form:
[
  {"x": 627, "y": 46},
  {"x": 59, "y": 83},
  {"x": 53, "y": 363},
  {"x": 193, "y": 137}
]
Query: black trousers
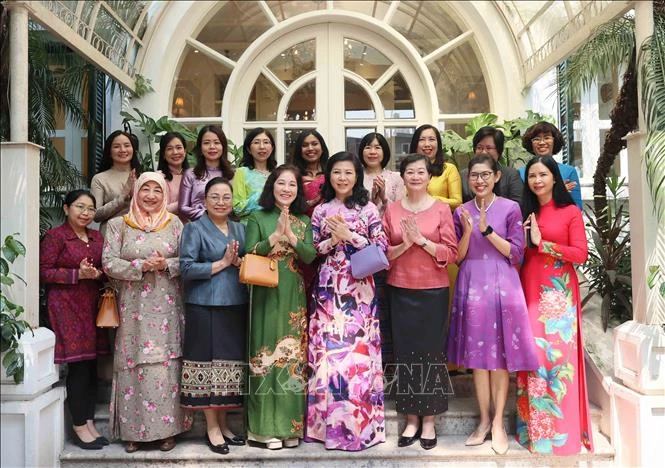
[{"x": 82, "y": 390}]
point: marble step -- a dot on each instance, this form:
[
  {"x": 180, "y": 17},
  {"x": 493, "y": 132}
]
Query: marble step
[
  {"x": 461, "y": 419},
  {"x": 450, "y": 449}
]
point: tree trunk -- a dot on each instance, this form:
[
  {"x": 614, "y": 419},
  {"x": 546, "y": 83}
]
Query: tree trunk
[{"x": 624, "y": 117}]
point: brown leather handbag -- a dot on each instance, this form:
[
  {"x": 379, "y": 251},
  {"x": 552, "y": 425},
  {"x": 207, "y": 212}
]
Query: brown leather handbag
[
  {"x": 107, "y": 315},
  {"x": 259, "y": 271}
]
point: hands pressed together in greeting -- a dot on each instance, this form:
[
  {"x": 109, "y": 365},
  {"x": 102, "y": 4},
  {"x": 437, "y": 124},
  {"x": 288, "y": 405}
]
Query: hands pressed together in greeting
[
  {"x": 410, "y": 232},
  {"x": 378, "y": 191},
  {"x": 87, "y": 270},
  {"x": 155, "y": 262},
  {"x": 283, "y": 230},
  {"x": 339, "y": 229},
  {"x": 531, "y": 228}
]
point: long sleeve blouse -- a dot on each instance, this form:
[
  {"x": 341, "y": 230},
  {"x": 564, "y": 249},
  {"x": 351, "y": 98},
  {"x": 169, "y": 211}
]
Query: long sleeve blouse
[
  {"x": 202, "y": 244},
  {"x": 416, "y": 268},
  {"x": 192, "y": 193},
  {"x": 394, "y": 187},
  {"x": 111, "y": 201},
  {"x": 447, "y": 187}
]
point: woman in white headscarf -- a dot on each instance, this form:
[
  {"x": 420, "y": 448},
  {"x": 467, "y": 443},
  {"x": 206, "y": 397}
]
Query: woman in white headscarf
[{"x": 141, "y": 252}]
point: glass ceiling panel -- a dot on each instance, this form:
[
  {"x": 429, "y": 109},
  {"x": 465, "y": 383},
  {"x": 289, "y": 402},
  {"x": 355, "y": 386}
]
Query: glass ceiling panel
[
  {"x": 286, "y": 9},
  {"x": 234, "y": 27},
  {"x": 427, "y": 25},
  {"x": 546, "y": 26}
]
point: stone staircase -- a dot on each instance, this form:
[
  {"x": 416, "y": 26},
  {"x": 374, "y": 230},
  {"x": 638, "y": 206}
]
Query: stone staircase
[{"x": 452, "y": 428}]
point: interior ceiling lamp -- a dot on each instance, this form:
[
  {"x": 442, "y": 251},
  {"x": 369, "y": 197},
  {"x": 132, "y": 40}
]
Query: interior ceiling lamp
[{"x": 471, "y": 95}]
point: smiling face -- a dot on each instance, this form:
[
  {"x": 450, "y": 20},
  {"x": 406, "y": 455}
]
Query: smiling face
[
  {"x": 219, "y": 201},
  {"x": 373, "y": 155},
  {"x": 81, "y": 212},
  {"x": 121, "y": 150},
  {"x": 416, "y": 177},
  {"x": 543, "y": 144},
  {"x": 541, "y": 181},
  {"x": 487, "y": 145},
  {"x": 175, "y": 153},
  {"x": 285, "y": 189},
  {"x": 343, "y": 178},
  {"x": 150, "y": 197},
  {"x": 261, "y": 148},
  {"x": 427, "y": 143},
  {"x": 482, "y": 180},
  {"x": 211, "y": 148},
  {"x": 311, "y": 149}
]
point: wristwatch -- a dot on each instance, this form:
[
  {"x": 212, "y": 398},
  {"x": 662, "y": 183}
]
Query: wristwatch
[{"x": 487, "y": 231}]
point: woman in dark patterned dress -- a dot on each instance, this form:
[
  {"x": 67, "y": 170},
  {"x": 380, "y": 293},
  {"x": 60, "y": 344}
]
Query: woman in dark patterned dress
[{"x": 70, "y": 260}]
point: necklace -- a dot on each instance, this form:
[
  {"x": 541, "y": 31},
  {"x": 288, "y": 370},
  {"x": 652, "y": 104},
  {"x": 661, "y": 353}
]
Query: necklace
[
  {"x": 263, "y": 171},
  {"x": 475, "y": 202},
  {"x": 417, "y": 208}
]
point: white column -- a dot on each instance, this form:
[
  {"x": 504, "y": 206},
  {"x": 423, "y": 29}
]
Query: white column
[
  {"x": 18, "y": 66},
  {"x": 638, "y": 394}
]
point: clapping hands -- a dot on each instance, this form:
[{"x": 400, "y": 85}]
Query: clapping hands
[
  {"x": 411, "y": 232},
  {"x": 155, "y": 262},
  {"x": 339, "y": 229},
  {"x": 87, "y": 270}
]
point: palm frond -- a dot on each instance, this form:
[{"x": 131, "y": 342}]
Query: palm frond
[
  {"x": 609, "y": 47},
  {"x": 653, "y": 102}
]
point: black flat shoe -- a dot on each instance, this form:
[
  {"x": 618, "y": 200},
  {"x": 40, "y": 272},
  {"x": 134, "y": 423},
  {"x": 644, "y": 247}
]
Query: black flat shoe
[
  {"x": 94, "y": 445},
  {"x": 404, "y": 441},
  {"x": 221, "y": 448},
  {"x": 235, "y": 440},
  {"x": 101, "y": 440},
  {"x": 428, "y": 444}
]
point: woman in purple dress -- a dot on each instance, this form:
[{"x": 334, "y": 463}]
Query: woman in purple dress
[
  {"x": 345, "y": 392},
  {"x": 70, "y": 259},
  {"x": 489, "y": 330}
]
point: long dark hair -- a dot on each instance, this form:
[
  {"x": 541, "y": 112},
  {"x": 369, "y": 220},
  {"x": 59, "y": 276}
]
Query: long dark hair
[
  {"x": 560, "y": 195},
  {"x": 106, "y": 162},
  {"x": 438, "y": 163},
  {"x": 200, "y": 170},
  {"x": 539, "y": 128},
  {"x": 368, "y": 139},
  {"x": 359, "y": 195},
  {"x": 297, "y": 158},
  {"x": 248, "y": 159},
  {"x": 162, "y": 164},
  {"x": 267, "y": 199}
]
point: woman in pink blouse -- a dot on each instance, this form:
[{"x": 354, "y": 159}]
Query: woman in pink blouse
[
  {"x": 422, "y": 243},
  {"x": 172, "y": 163},
  {"x": 383, "y": 184}
]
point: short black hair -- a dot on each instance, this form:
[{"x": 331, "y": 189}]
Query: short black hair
[
  {"x": 495, "y": 133},
  {"x": 369, "y": 138},
  {"x": 359, "y": 195},
  {"x": 412, "y": 158},
  {"x": 74, "y": 195},
  {"x": 437, "y": 165},
  {"x": 297, "y": 159},
  {"x": 538, "y": 129},
  {"x": 483, "y": 158},
  {"x": 106, "y": 162},
  {"x": 162, "y": 165},
  {"x": 267, "y": 199},
  {"x": 560, "y": 195},
  {"x": 247, "y": 158},
  {"x": 216, "y": 181}
]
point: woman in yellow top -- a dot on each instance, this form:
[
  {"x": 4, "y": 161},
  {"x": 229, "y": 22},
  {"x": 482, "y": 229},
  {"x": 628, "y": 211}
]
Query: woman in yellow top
[{"x": 446, "y": 184}]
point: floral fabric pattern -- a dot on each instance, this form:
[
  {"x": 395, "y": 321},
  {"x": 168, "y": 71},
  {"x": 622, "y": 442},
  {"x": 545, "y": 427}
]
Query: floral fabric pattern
[
  {"x": 345, "y": 390},
  {"x": 552, "y": 403}
]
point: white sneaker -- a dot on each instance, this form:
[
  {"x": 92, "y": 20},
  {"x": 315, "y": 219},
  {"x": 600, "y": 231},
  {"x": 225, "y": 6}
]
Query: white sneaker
[{"x": 290, "y": 443}]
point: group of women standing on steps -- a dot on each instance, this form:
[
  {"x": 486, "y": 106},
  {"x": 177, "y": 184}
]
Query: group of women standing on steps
[{"x": 307, "y": 354}]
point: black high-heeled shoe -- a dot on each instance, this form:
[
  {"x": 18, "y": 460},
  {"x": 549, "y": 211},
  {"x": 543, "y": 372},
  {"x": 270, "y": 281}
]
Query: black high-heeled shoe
[
  {"x": 221, "y": 448},
  {"x": 94, "y": 445},
  {"x": 405, "y": 441},
  {"x": 235, "y": 440}
]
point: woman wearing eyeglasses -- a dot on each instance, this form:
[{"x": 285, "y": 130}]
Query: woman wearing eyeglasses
[
  {"x": 214, "y": 353},
  {"x": 489, "y": 330},
  {"x": 70, "y": 262},
  {"x": 544, "y": 139}
]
